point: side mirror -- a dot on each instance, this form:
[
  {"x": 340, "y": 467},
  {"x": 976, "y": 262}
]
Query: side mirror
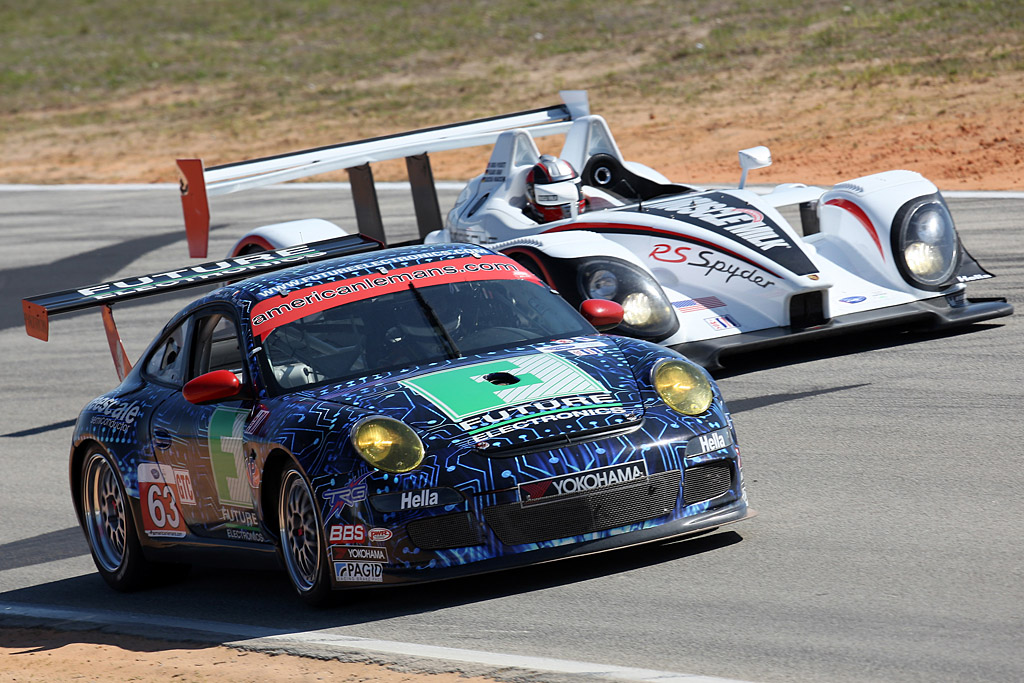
[
  {"x": 601, "y": 313},
  {"x": 213, "y": 386},
  {"x": 754, "y": 157}
]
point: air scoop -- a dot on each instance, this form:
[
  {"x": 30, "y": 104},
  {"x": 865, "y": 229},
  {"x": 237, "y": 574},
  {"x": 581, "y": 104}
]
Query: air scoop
[{"x": 502, "y": 379}]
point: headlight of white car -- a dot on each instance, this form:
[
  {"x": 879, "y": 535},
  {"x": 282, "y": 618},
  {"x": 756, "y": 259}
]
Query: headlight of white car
[
  {"x": 647, "y": 313},
  {"x": 925, "y": 244}
]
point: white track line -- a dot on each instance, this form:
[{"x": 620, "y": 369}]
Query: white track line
[{"x": 261, "y": 639}]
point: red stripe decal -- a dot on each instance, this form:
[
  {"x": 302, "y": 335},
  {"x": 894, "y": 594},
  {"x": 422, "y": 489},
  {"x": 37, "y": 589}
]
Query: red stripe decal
[
  {"x": 859, "y": 214},
  {"x": 278, "y": 310}
]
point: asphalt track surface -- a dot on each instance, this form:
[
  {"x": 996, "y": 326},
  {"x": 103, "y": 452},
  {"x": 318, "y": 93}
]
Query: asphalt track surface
[{"x": 886, "y": 470}]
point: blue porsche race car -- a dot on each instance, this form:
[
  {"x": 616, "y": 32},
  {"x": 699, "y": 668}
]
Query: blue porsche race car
[{"x": 369, "y": 417}]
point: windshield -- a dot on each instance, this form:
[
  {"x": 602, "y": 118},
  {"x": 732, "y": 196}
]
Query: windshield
[{"x": 416, "y": 326}]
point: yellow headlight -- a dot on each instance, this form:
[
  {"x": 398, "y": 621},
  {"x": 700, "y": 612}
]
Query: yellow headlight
[
  {"x": 683, "y": 387},
  {"x": 923, "y": 259},
  {"x": 387, "y": 444}
]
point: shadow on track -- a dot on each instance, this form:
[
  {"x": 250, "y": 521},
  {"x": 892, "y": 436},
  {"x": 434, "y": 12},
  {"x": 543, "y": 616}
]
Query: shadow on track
[
  {"x": 805, "y": 352},
  {"x": 264, "y": 599}
]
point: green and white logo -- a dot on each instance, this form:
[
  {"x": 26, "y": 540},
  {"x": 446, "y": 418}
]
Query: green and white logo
[
  {"x": 227, "y": 456},
  {"x": 462, "y": 392}
]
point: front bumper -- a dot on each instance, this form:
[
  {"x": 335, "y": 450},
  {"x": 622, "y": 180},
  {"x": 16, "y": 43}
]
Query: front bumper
[
  {"x": 494, "y": 531},
  {"x": 701, "y": 523},
  {"x": 924, "y": 315}
]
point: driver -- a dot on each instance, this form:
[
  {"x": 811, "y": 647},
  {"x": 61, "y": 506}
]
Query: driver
[{"x": 553, "y": 190}]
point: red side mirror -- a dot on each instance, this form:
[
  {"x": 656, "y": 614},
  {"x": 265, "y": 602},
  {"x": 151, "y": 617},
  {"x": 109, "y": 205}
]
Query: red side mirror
[
  {"x": 213, "y": 386},
  {"x": 601, "y": 313}
]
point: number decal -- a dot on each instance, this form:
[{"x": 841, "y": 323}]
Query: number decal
[{"x": 161, "y": 515}]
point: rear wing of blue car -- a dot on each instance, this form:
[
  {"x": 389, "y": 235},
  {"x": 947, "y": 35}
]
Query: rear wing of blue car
[
  {"x": 198, "y": 183},
  {"x": 38, "y": 309}
]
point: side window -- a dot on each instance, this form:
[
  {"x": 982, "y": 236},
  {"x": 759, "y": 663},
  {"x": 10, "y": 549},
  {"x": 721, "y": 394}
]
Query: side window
[
  {"x": 167, "y": 362},
  {"x": 217, "y": 346}
]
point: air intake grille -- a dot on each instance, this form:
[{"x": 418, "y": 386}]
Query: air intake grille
[
  {"x": 807, "y": 310},
  {"x": 705, "y": 482},
  {"x": 445, "y": 531},
  {"x": 596, "y": 510}
]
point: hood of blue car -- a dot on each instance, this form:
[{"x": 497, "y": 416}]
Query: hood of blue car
[{"x": 505, "y": 400}]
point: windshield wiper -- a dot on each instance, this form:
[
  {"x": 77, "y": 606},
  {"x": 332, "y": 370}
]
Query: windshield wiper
[{"x": 453, "y": 350}]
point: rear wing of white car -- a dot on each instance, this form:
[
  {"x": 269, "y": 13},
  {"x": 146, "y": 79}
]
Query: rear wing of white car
[{"x": 198, "y": 184}]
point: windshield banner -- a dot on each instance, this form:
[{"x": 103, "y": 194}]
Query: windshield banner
[{"x": 271, "y": 313}]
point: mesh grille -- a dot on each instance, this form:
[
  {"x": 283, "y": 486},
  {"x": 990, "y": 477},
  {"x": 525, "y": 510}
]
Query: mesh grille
[
  {"x": 445, "y": 531},
  {"x": 596, "y": 510},
  {"x": 705, "y": 482}
]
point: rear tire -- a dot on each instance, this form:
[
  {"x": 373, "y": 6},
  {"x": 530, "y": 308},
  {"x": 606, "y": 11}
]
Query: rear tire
[
  {"x": 302, "y": 539},
  {"x": 109, "y": 526}
]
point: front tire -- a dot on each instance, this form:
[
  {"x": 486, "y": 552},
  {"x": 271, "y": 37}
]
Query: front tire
[{"x": 302, "y": 539}]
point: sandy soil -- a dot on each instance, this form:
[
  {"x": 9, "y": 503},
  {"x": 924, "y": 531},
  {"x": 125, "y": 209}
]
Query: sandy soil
[
  {"x": 45, "y": 655},
  {"x": 961, "y": 135}
]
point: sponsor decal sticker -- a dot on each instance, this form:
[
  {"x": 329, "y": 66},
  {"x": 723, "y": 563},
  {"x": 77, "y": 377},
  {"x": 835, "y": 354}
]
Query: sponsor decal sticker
[
  {"x": 581, "y": 482},
  {"x": 720, "y": 323},
  {"x": 114, "y": 414},
  {"x": 246, "y": 534},
  {"x": 271, "y": 313},
  {"x": 205, "y": 271},
  {"x": 365, "y": 553},
  {"x": 227, "y": 457},
  {"x": 853, "y": 299},
  {"x": 186, "y": 494},
  {"x": 719, "y": 211},
  {"x": 346, "y": 533},
  {"x": 158, "y": 498},
  {"x": 570, "y": 345},
  {"x": 352, "y": 494},
  {"x": 414, "y": 500},
  {"x": 545, "y": 380},
  {"x": 707, "y": 443},
  {"x": 379, "y": 535},
  {"x": 359, "y": 571}
]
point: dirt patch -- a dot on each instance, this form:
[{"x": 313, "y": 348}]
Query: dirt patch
[
  {"x": 961, "y": 135},
  {"x": 46, "y": 655}
]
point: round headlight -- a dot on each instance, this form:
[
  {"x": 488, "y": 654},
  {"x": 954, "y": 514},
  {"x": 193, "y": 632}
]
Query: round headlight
[
  {"x": 682, "y": 386},
  {"x": 603, "y": 284},
  {"x": 647, "y": 313},
  {"x": 387, "y": 444},
  {"x": 637, "y": 309},
  {"x": 928, "y": 245}
]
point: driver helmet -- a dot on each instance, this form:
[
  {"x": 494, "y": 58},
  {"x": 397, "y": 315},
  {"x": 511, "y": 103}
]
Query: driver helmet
[{"x": 553, "y": 190}]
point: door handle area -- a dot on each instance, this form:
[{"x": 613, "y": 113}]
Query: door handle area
[{"x": 161, "y": 438}]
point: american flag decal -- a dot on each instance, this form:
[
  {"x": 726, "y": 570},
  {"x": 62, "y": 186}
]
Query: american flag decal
[{"x": 703, "y": 303}]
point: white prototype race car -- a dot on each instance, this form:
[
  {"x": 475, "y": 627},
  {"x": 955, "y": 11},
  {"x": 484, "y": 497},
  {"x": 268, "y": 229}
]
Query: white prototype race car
[{"x": 707, "y": 272}]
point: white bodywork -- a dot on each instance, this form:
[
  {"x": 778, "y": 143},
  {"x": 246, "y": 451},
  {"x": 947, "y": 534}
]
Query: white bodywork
[
  {"x": 727, "y": 262},
  {"x": 719, "y": 286}
]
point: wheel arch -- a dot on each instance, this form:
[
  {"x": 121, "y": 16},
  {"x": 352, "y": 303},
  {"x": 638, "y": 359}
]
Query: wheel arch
[{"x": 270, "y": 487}]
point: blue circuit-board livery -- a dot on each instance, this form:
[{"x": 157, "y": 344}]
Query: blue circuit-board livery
[{"x": 384, "y": 416}]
